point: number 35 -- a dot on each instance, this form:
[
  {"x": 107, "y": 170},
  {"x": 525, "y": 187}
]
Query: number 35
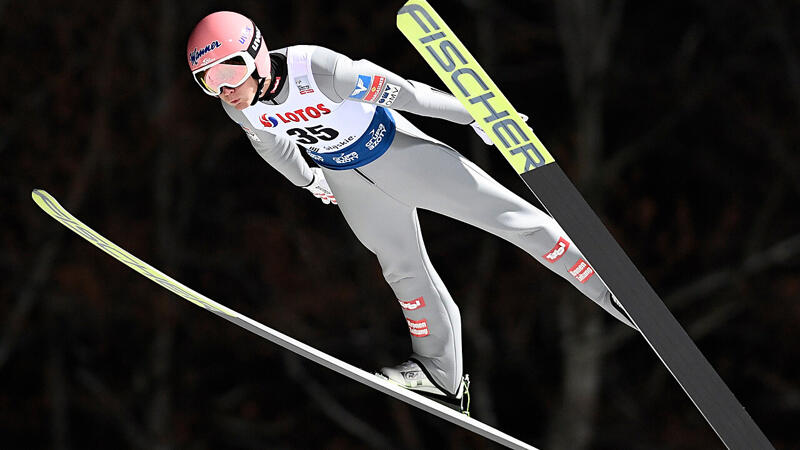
[{"x": 312, "y": 135}]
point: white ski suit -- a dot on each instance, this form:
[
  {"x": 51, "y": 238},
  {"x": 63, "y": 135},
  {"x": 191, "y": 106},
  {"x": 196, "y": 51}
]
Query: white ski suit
[{"x": 381, "y": 168}]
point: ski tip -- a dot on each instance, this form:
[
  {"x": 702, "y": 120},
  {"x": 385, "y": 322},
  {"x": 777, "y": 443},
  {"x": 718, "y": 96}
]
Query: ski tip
[{"x": 39, "y": 196}]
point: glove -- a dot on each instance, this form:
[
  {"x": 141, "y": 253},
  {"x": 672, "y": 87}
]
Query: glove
[
  {"x": 479, "y": 131},
  {"x": 485, "y": 137},
  {"x": 319, "y": 187}
]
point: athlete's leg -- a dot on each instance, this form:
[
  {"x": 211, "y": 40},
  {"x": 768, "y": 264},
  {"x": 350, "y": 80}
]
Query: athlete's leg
[
  {"x": 390, "y": 229},
  {"x": 440, "y": 179}
]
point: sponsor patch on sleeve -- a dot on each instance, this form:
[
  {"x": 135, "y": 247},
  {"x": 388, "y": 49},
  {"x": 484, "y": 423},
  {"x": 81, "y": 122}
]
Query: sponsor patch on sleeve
[
  {"x": 375, "y": 89},
  {"x": 411, "y": 305},
  {"x": 362, "y": 86},
  {"x": 418, "y": 328},
  {"x": 582, "y": 271},
  {"x": 558, "y": 251},
  {"x": 389, "y": 95}
]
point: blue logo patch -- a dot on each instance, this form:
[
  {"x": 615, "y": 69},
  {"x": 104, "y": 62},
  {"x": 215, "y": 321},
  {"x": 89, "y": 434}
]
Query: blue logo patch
[{"x": 362, "y": 86}]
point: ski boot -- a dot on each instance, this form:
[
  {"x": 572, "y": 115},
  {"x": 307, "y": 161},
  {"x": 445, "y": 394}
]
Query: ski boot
[{"x": 412, "y": 376}]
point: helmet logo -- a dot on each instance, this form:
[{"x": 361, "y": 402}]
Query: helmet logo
[
  {"x": 256, "y": 40},
  {"x": 196, "y": 54},
  {"x": 245, "y": 32}
]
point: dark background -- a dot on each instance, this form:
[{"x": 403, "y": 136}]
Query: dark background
[{"x": 677, "y": 120}]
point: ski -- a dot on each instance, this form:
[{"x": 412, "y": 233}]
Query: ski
[
  {"x": 457, "y": 68},
  {"x": 51, "y": 206}
]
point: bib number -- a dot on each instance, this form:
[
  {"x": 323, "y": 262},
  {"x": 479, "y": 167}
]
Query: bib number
[{"x": 312, "y": 135}]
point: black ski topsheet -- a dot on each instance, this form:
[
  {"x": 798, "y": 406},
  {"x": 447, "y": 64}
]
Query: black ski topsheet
[
  {"x": 658, "y": 326},
  {"x": 459, "y": 70}
]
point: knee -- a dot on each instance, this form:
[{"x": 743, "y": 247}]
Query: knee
[
  {"x": 398, "y": 269},
  {"x": 399, "y": 264}
]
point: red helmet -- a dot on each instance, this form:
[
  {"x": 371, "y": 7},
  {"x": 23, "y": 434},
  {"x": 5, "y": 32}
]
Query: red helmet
[{"x": 224, "y": 49}]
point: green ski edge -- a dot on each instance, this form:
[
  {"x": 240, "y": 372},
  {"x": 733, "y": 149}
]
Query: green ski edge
[
  {"x": 465, "y": 78},
  {"x": 51, "y": 206},
  {"x": 459, "y": 71}
]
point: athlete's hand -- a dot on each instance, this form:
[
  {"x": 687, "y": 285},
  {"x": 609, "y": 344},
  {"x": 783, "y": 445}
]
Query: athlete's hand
[
  {"x": 479, "y": 131},
  {"x": 319, "y": 187},
  {"x": 485, "y": 137}
]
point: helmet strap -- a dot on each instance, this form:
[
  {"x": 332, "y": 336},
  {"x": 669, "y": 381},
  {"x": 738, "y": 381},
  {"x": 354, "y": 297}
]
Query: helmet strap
[
  {"x": 278, "y": 76},
  {"x": 256, "y": 97},
  {"x": 253, "y": 48}
]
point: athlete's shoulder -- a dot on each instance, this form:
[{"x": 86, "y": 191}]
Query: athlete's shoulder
[
  {"x": 235, "y": 115},
  {"x": 312, "y": 51},
  {"x": 259, "y": 138},
  {"x": 280, "y": 51},
  {"x": 238, "y": 117},
  {"x": 324, "y": 60},
  {"x": 309, "y": 48}
]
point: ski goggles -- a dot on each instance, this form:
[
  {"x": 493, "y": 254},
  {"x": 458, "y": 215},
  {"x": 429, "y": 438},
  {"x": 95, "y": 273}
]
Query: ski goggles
[{"x": 231, "y": 71}]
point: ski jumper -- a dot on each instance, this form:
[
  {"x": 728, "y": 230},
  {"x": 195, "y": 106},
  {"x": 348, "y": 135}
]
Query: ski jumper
[{"x": 344, "y": 115}]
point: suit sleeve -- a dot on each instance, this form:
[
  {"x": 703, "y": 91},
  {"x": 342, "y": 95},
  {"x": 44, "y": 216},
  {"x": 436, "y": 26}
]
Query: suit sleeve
[
  {"x": 281, "y": 153},
  {"x": 338, "y": 78}
]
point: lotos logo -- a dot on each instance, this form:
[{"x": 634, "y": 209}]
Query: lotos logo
[
  {"x": 298, "y": 115},
  {"x": 196, "y": 54},
  {"x": 558, "y": 251},
  {"x": 269, "y": 121}
]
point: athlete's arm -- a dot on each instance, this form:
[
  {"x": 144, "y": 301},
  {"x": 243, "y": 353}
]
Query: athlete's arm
[
  {"x": 281, "y": 153},
  {"x": 338, "y": 78}
]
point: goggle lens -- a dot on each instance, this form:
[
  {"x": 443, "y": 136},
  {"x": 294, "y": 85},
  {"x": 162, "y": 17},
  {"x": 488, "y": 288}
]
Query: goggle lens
[{"x": 231, "y": 72}]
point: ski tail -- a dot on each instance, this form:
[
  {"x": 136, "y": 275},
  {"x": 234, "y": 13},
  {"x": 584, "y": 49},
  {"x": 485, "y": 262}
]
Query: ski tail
[{"x": 465, "y": 78}]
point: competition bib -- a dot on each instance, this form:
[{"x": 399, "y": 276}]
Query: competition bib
[{"x": 342, "y": 135}]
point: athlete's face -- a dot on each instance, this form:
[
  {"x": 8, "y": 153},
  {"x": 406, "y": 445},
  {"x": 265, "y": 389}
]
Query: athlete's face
[{"x": 241, "y": 96}]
